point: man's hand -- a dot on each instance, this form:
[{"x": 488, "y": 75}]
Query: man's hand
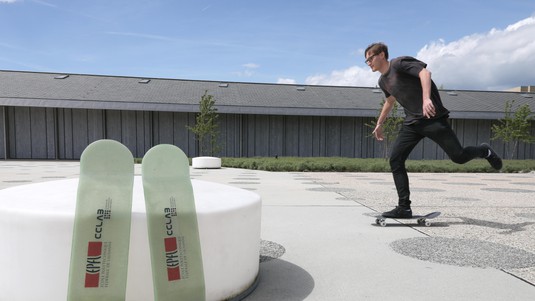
[
  {"x": 428, "y": 108},
  {"x": 387, "y": 107},
  {"x": 378, "y": 132}
]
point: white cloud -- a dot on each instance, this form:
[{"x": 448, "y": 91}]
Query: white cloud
[
  {"x": 286, "y": 81},
  {"x": 142, "y": 35},
  {"x": 495, "y": 60},
  {"x": 8, "y": 1},
  {"x": 251, "y": 66},
  {"x": 353, "y": 76},
  {"x": 248, "y": 70}
]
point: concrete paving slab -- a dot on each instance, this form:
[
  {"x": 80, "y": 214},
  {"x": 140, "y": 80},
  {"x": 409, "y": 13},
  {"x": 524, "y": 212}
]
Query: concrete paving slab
[{"x": 320, "y": 241}]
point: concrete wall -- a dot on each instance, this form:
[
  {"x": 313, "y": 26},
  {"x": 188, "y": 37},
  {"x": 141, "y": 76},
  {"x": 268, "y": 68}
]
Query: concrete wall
[{"x": 58, "y": 133}]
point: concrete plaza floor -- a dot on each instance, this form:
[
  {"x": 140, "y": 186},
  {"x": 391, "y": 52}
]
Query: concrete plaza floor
[{"x": 320, "y": 241}]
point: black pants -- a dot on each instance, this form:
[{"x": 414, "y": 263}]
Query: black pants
[{"x": 438, "y": 130}]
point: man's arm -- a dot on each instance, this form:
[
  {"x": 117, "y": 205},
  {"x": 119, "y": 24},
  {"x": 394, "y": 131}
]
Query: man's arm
[
  {"x": 428, "y": 109},
  {"x": 387, "y": 107}
]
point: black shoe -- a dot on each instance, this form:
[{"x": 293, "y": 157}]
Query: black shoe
[
  {"x": 494, "y": 160},
  {"x": 399, "y": 212}
]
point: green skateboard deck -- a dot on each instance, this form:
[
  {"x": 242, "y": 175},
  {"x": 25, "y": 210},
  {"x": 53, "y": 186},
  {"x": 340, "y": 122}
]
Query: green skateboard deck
[
  {"x": 101, "y": 235},
  {"x": 176, "y": 258}
]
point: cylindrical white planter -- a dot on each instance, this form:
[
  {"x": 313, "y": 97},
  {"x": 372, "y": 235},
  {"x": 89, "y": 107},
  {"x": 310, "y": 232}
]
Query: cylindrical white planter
[
  {"x": 206, "y": 162},
  {"x": 36, "y": 223}
]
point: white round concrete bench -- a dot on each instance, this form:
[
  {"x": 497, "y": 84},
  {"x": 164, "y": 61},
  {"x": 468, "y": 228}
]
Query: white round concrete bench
[
  {"x": 206, "y": 162},
  {"x": 36, "y": 224}
]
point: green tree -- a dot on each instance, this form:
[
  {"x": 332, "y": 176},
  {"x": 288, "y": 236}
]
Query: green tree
[
  {"x": 515, "y": 127},
  {"x": 391, "y": 126},
  {"x": 206, "y": 127}
]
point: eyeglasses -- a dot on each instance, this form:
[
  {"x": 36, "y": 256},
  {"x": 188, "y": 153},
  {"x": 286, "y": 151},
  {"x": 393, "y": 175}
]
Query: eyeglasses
[{"x": 369, "y": 59}]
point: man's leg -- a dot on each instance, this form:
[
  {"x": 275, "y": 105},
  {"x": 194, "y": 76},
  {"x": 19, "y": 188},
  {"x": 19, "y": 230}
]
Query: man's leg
[
  {"x": 407, "y": 139},
  {"x": 441, "y": 133}
]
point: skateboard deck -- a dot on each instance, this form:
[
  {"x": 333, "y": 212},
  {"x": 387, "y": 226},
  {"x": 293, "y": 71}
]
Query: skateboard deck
[
  {"x": 176, "y": 258},
  {"x": 421, "y": 219},
  {"x": 101, "y": 234}
]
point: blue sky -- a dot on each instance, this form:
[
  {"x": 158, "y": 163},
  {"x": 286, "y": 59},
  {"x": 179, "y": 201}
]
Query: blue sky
[{"x": 468, "y": 44}]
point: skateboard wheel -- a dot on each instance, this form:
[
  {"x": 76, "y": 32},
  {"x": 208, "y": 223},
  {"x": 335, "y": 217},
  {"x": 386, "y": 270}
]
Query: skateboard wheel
[
  {"x": 427, "y": 223},
  {"x": 382, "y": 223},
  {"x": 377, "y": 221},
  {"x": 421, "y": 221}
]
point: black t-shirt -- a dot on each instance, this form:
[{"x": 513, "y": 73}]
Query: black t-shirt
[{"x": 402, "y": 82}]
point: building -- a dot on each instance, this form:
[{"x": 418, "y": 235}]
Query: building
[
  {"x": 55, "y": 116},
  {"x": 530, "y": 89}
]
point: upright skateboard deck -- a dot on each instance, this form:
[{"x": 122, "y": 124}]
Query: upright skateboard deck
[
  {"x": 101, "y": 235},
  {"x": 421, "y": 219},
  {"x": 177, "y": 269}
]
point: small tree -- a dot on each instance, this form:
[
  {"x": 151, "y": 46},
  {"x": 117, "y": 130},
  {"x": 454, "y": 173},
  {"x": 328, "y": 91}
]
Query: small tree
[
  {"x": 206, "y": 127},
  {"x": 391, "y": 126},
  {"x": 515, "y": 127}
]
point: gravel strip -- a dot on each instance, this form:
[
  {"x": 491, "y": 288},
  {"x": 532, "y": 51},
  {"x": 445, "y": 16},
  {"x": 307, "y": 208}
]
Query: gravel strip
[{"x": 464, "y": 252}]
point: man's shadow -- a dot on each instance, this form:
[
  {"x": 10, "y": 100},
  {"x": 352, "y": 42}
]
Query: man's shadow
[{"x": 508, "y": 228}]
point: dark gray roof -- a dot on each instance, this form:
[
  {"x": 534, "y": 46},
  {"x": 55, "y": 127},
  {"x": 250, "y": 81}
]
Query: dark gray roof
[{"x": 36, "y": 89}]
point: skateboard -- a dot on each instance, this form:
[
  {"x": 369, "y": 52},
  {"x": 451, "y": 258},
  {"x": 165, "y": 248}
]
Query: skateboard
[
  {"x": 423, "y": 220},
  {"x": 176, "y": 259},
  {"x": 101, "y": 234}
]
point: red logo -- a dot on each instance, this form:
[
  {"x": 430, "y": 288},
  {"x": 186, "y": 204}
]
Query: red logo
[
  {"x": 171, "y": 259},
  {"x": 93, "y": 263}
]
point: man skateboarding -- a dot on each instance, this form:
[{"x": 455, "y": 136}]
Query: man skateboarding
[{"x": 407, "y": 81}]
